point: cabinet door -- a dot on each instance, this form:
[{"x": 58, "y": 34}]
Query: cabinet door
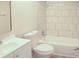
[{"x": 23, "y": 52}]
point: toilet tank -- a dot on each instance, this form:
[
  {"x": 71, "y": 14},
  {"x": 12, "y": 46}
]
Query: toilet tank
[
  {"x": 30, "y": 34},
  {"x": 33, "y": 36}
]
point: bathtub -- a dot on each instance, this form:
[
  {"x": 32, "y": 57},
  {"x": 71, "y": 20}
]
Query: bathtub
[{"x": 63, "y": 47}]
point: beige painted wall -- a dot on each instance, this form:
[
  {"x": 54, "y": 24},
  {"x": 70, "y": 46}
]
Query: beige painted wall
[
  {"x": 63, "y": 19},
  {"x": 4, "y": 17},
  {"x": 24, "y": 17},
  {"x": 28, "y": 16}
]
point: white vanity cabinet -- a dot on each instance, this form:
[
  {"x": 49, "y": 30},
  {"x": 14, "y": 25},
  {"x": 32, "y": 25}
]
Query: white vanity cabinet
[
  {"x": 23, "y": 52},
  {"x": 14, "y": 47}
]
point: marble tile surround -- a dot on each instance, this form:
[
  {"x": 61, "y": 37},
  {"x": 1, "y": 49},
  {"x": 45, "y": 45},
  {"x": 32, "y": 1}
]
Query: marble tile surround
[{"x": 63, "y": 19}]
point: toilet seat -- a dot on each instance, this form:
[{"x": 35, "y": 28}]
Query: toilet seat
[{"x": 44, "y": 49}]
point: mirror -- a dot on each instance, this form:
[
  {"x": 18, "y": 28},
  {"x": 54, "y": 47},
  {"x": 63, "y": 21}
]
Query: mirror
[{"x": 5, "y": 16}]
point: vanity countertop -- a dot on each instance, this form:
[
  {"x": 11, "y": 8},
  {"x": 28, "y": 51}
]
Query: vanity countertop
[{"x": 11, "y": 44}]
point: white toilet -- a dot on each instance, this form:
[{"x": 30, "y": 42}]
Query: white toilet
[{"x": 42, "y": 50}]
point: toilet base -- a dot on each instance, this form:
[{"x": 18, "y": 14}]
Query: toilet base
[{"x": 37, "y": 55}]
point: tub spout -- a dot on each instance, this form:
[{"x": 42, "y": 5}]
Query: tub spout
[{"x": 43, "y": 33}]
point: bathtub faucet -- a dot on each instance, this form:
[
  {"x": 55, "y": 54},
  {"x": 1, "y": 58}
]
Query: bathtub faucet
[{"x": 43, "y": 33}]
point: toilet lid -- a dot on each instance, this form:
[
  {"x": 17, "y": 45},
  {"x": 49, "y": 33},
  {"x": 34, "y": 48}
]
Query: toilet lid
[{"x": 44, "y": 48}]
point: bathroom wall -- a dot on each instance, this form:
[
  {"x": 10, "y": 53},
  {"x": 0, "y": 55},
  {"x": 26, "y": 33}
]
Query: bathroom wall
[
  {"x": 41, "y": 22},
  {"x": 63, "y": 19},
  {"x": 24, "y": 16},
  {"x": 41, "y": 17},
  {"x": 4, "y": 19}
]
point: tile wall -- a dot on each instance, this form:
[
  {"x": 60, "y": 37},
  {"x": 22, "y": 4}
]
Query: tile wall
[{"x": 63, "y": 19}]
